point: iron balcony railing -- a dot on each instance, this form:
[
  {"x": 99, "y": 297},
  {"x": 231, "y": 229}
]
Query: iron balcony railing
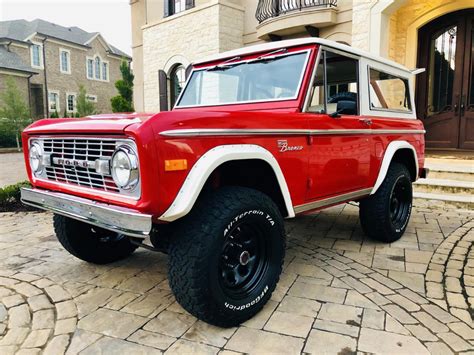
[{"x": 267, "y": 9}]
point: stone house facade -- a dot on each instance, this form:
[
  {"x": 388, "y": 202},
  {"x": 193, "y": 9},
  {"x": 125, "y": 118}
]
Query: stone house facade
[
  {"x": 168, "y": 35},
  {"x": 60, "y": 60}
]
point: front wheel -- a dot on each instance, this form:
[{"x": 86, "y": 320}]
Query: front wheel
[
  {"x": 226, "y": 256},
  {"x": 90, "y": 243},
  {"x": 384, "y": 216}
]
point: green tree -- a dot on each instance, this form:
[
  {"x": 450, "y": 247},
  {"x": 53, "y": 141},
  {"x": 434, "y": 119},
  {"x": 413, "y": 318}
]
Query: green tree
[
  {"x": 14, "y": 114},
  {"x": 84, "y": 106},
  {"x": 124, "y": 101}
]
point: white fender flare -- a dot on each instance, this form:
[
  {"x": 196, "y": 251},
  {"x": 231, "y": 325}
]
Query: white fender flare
[
  {"x": 392, "y": 148},
  {"x": 203, "y": 168}
]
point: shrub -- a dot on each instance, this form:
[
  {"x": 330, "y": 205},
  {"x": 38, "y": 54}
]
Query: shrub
[
  {"x": 84, "y": 106},
  {"x": 10, "y": 197},
  {"x": 124, "y": 101}
]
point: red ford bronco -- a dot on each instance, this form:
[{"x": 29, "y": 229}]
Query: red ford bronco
[{"x": 257, "y": 135}]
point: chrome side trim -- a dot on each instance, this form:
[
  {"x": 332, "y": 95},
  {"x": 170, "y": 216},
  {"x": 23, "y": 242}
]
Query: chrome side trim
[
  {"x": 197, "y": 132},
  {"x": 117, "y": 219},
  {"x": 332, "y": 200}
]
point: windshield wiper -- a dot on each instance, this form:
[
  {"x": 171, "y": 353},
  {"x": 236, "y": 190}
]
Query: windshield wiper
[
  {"x": 224, "y": 65},
  {"x": 268, "y": 56}
]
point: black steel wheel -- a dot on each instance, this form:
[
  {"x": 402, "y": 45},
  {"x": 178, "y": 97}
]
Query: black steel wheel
[
  {"x": 400, "y": 202},
  {"x": 226, "y": 256},
  {"x": 384, "y": 216},
  {"x": 244, "y": 260}
]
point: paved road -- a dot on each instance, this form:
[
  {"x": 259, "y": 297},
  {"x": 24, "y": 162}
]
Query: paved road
[
  {"x": 12, "y": 169},
  {"x": 339, "y": 293}
]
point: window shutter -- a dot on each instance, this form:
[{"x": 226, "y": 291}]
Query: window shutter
[
  {"x": 189, "y": 4},
  {"x": 166, "y": 11},
  {"x": 189, "y": 69},
  {"x": 163, "y": 87}
]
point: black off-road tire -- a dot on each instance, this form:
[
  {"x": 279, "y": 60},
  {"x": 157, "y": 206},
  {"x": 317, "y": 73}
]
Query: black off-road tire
[
  {"x": 89, "y": 243},
  {"x": 376, "y": 212},
  {"x": 208, "y": 241}
]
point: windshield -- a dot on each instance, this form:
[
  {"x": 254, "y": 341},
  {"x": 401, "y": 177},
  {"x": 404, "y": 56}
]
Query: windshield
[{"x": 266, "y": 78}]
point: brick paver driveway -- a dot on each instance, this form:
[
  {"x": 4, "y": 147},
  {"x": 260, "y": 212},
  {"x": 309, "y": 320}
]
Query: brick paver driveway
[{"x": 339, "y": 293}]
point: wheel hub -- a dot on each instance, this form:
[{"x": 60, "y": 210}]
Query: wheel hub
[{"x": 244, "y": 258}]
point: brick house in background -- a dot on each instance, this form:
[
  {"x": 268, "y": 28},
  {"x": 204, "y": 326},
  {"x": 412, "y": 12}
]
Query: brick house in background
[{"x": 51, "y": 61}]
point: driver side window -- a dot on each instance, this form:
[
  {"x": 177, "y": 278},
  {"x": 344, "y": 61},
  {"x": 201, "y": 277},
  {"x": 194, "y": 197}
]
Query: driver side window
[{"x": 335, "y": 87}]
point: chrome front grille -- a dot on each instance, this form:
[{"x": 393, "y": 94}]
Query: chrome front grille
[
  {"x": 83, "y": 162},
  {"x": 78, "y": 149}
]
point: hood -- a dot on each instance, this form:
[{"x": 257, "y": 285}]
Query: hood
[{"x": 108, "y": 123}]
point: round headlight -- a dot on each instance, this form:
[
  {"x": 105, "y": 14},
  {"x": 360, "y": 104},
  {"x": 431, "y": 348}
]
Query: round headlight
[
  {"x": 36, "y": 157},
  {"x": 125, "y": 168}
]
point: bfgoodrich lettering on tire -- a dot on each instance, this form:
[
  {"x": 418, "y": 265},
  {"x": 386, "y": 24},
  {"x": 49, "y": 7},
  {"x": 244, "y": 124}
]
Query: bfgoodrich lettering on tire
[
  {"x": 385, "y": 215},
  {"x": 226, "y": 255}
]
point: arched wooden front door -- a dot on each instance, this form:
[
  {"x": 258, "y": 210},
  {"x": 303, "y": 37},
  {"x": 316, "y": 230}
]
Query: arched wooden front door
[{"x": 445, "y": 92}]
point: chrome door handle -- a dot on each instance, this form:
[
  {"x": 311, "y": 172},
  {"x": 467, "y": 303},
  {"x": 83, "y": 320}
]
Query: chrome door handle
[{"x": 366, "y": 121}]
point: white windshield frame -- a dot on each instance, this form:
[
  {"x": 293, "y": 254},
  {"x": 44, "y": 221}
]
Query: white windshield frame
[{"x": 297, "y": 91}]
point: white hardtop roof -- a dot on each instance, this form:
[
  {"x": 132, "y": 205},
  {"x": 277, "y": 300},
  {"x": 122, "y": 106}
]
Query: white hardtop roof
[{"x": 298, "y": 42}]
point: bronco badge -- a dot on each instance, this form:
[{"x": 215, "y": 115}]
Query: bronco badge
[{"x": 284, "y": 147}]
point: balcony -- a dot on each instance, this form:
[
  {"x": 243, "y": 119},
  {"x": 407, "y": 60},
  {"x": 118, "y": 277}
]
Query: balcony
[{"x": 286, "y": 17}]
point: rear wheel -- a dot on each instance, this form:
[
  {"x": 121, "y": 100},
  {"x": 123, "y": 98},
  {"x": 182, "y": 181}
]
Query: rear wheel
[
  {"x": 226, "y": 256},
  {"x": 92, "y": 244},
  {"x": 384, "y": 216}
]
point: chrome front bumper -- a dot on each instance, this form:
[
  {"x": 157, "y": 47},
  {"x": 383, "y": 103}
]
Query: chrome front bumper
[{"x": 118, "y": 219}]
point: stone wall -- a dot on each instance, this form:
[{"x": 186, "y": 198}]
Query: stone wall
[
  {"x": 361, "y": 23},
  {"x": 204, "y": 30}
]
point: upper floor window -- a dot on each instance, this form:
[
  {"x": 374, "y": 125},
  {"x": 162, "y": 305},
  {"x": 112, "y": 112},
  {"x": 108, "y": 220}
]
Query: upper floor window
[
  {"x": 389, "y": 92},
  {"x": 176, "y": 6},
  {"x": 64, "y": 61},
  {"x": 90, "y": 68},
  {"x": 335, "y": 86},
  {"x": 97, "y": 67},
  {"x": 105, "y": 71},
  {"x": 36, "y": 56}
]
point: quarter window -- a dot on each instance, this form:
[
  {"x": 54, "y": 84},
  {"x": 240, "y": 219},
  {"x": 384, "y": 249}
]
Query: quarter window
[
  {"x": 36, "y": 58},
  {"x": 389, "y": 92},
  {"x": 335, "y": 87},
  {"x": 65, "y": 62}
]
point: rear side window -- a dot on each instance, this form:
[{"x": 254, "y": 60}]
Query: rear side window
[{"x": 389, "y": 92}]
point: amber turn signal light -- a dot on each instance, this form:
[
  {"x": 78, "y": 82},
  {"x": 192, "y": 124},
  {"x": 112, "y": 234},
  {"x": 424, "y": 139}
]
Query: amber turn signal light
[{"x": 176, "y": 165}]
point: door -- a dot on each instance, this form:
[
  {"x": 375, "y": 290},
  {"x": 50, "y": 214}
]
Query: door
[
  {"x": 339, "y": 163},
  {"x": 445, "y": 98}
]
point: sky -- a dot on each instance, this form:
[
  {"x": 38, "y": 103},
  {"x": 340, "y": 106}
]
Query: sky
[{"x": 109, "y": 17}]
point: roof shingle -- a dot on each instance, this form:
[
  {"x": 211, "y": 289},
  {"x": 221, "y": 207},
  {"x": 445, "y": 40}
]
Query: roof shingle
[
  {"x": 20, "y": 30},
  {"x": 10, "y": 60}
]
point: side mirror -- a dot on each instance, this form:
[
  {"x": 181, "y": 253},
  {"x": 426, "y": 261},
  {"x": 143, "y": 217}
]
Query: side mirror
[{"x": 336, "y": 114}]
